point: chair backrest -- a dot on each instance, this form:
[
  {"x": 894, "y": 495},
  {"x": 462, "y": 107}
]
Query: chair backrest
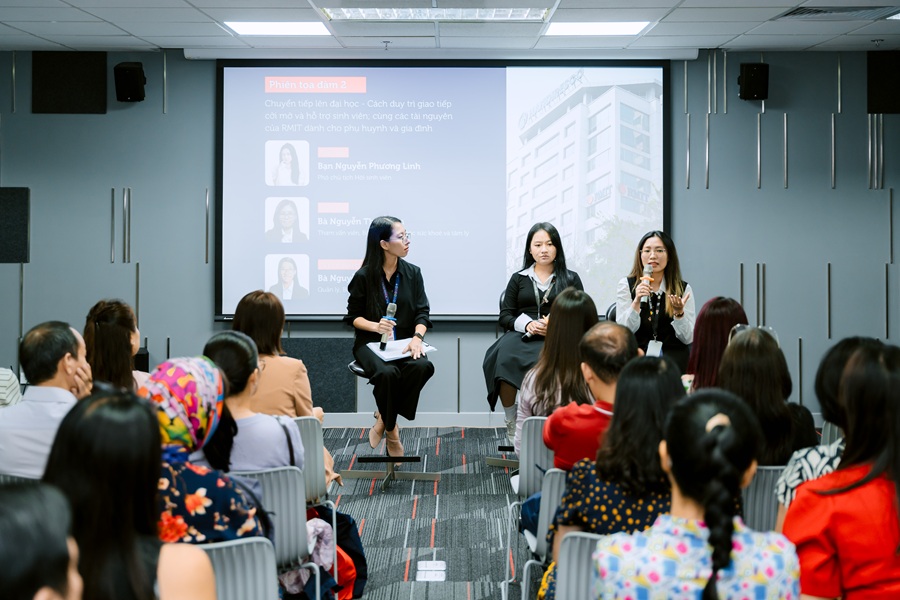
[
  {"x": 830, "y": 433},
  {"x": 760, "y": 504},
  {"x": 284, "y": 496},
  {"x": 552, "y": 488},
  {"x": 314, "y": 459},
  {"x": 244, "y": 568},
  {"x": 534, "y": 457},
  {"x": 573, "y": 569},
  {"x": 611, "y": 312}
]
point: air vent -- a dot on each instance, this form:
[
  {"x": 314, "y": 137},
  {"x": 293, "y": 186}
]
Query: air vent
[{"x": 839, "y": 13}]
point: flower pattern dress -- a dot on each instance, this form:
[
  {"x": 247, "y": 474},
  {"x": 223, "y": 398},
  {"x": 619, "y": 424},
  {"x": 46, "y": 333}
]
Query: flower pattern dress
[{"x": 672, "y": 561}]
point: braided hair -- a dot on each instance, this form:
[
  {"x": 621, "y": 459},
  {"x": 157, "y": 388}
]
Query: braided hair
[{"x": 713, "y": 438}]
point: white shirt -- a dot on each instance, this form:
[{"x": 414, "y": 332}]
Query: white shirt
[
  {"x": 625, "y": 315},
  {"x": 28, "y": 428}
]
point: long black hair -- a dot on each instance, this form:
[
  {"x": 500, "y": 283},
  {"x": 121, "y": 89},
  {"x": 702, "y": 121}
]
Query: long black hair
[
  {"x": 712, "y": 438},
  {"x": 629, "y": 454},
  {"x": 828, "y": 377},
  {"x": 106, "y": 459},
  {"x": 870, "y": 396},
  {"x": 564, "y": 277},
  {"x": 107, "y": 337},
  {"x": 380, "y": 230},
  {"x": 236, "y": 356}
]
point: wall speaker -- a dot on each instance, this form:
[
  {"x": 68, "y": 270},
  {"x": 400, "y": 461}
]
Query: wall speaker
[
  {"x": 883, "y": 82},
  {"x": 15, "y": 212},
  {"x": 130, "y": 81},
  {"x": 753, "y": 81},
  {"x": 68, "y": 82}
]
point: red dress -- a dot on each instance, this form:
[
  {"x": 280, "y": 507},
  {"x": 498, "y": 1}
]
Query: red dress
[{"x": 847, "y": 542}]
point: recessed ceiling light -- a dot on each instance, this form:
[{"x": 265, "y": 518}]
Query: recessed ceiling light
[
  {"x": 296, "y": 28},
  {"x": 436, "y": 14},
  {"x": 594, "y": 29}
]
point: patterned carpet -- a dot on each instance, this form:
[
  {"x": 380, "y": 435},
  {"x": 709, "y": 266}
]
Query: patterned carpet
[{"x": 460, "y": 520}]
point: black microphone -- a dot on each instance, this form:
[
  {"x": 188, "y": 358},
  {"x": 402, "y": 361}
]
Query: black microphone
[
  {"x": 648, "y": 272},
  {"x": 391, "y": 311}
]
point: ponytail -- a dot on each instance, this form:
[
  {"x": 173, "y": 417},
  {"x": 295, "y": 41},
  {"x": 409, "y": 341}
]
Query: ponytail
[
  {"x": 713, "y": 438},
  {"x": 718, "y": 503}
]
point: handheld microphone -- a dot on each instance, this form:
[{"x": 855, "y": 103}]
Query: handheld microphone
[
  {"x": 391, "y": 311},
  {"x": 648, "y": 276}
]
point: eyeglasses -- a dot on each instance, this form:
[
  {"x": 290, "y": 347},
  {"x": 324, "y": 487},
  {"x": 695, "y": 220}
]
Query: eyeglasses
[
  {"x": 742, "y": 327},
  {"x": 649, "y": 251},
  {"x": 403, "y": 237}
]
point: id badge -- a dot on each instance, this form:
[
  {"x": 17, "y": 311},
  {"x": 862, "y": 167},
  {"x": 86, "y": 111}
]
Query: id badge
[{"x": 654, "y": 348}]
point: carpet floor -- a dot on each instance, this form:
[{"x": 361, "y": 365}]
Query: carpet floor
[{"x": 460, "y": 520}]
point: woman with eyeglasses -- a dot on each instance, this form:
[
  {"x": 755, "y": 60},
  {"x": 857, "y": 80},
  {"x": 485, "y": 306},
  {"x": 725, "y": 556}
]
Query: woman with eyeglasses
[
  {"x": 386, "y": 278},
  {"x": 654, "y": 301},
  {"x": 524, "y": 311},
  {"x": 754, "y": 368}
]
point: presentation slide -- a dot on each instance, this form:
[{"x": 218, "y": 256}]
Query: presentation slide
[{"x": 469, "y": 158}]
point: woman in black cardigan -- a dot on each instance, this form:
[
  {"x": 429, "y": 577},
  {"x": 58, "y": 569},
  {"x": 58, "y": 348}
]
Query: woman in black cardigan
[
  {"x": 386, "y": 278},
  {"x": 526, "y": 304}
]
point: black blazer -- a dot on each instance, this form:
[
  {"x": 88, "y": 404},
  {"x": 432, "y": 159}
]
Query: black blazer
[{"x": 519, "y": 298}]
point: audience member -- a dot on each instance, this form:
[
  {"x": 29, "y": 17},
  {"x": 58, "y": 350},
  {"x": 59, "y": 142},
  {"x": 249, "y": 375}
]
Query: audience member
[
  {"x": 112, "y": 339},
  {"x": 845, "y": 524},
  {"x": 106, "y": 460},
  {"x": 37, "y": 551},
  {"x": 701, "y": 549},
  {"x": 754, "y": 368},
  {"x": 625, "y": 488},
  {"x": 815, "y": 461},
  {"x": 556, "y": 379},
  {"x": 574, "y": 431},
  {"x": 52, "y": 356},
  {"x": 246, "y": 440},
  {"x": 196, "y": 504},
  {"x": 714, "y": 322},
  {"x": 285, "y": 389}
]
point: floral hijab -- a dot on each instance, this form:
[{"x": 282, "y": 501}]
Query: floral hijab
[{"x": 188, "y": 393}]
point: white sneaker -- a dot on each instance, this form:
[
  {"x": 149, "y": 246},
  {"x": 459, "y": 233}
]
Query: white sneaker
[{"x": 511, "y": 432}]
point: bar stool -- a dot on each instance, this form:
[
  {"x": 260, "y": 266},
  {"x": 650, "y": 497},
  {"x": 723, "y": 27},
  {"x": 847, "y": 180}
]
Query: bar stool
[{"x": 389, "y": 474}]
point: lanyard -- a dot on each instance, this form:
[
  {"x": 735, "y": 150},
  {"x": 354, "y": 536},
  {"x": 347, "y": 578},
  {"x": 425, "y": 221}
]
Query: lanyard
[
  {"x": 537, "y": 298},
  {"x": 654, "y": 303},
  {"x": 396, "y": 287}
]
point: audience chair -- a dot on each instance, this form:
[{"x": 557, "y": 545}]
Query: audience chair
[
  {"x": 760, "y": 504},
  {"x": 284, "y": 492},
  {"x": 244, "y": 568},
  {"x": 10, "y": 390},
  {"x": 830, "y": 433},
  {"x": 314, "y": 471},
  {"x": 9, "y": 479},
  {"x": 574, "y": 565},
  {"x": 611, "y": 313},
  {"x": 534, "y": 460},
  {"x": 389, "y": 475},
  {"x": 552, "y": 489}
]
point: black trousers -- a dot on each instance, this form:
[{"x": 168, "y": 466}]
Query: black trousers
[{"x": 397, "y": 383}]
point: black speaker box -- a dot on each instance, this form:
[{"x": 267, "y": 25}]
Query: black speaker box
[
  {"x": 754, "y": 81},
  {"x": 883, "y": 82},
  {"x": 15, "y": 212},
  {"x": 130, "y": 81},
  {"x": 68, "y": 82}
]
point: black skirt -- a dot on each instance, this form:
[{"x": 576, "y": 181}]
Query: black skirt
[{"x": 508, "y": 359}]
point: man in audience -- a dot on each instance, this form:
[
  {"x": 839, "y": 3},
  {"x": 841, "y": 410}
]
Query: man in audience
[
  {"x": 53, "y": 358},
  {"x": 574, "y": 431}
]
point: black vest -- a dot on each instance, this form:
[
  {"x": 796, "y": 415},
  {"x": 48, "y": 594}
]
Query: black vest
[{"x": 665, "y": 333}]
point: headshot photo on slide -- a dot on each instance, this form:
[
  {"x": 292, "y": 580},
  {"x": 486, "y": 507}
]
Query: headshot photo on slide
[
  {"x": 287, "y": 162},
  {"x": 287, "y": 276},
  {"x": 287, "y": 220}
]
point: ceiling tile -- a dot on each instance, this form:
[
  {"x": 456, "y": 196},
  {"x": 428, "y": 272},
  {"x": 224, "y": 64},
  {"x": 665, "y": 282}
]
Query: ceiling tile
[
  {"x": 681, "y": 41},
  {"x": 395, "y": 43},
  {"x": 13, "y": 14},
  {"x": 488, "y": 31},
  {"x": 706, "y": 15},
  {"x": 798, "y": 27},
  {"x": 150, "y": 15},
  {"x": 611, "y": 14},
  {"x": 174, "y": 29},
  {"x": 667, "y": 28},
  {"x": 558, "y": 41},
  {"x": 776, "y": 42},
  {"x": 195, "y": 42},
  {"x": 515, "y": 43}
]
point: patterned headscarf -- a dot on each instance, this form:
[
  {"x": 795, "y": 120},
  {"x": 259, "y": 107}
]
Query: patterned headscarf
[{"x": 189, "y": 393}]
